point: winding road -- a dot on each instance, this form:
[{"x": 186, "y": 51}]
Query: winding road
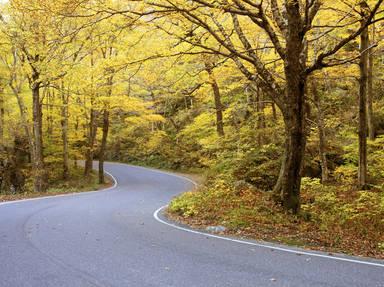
[{"x": 111, "y": 238}]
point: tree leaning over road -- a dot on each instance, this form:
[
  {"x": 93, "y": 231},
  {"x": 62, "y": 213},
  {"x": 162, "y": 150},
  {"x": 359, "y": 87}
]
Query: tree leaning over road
[{"x": 289, "y": 27}]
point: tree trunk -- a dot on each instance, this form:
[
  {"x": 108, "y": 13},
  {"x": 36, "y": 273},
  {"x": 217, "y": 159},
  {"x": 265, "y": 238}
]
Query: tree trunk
[
  {"x": 64, "y": 132},
  {"x": 49, "y": 109},
  {"x": 104, "y": 138},
  {"x": 363, "y": 64},
  {"x": 103, "y": 145},
  {"x": 322, "y": 136},
  {"x": 217, "y": 98},
  {"x": 24, "y": 121},
  {"x": 92, "y": 130},
  {"x": 260, "y": 106},
  {"x": 370, "y": 117},
  {"x": 2, "y": 119},
  {"x": 274, "y": 112},
  {"x": 289, "y": 183},
  {"x": 117, "y": 149},
  {"x": 38, "y": 156}
]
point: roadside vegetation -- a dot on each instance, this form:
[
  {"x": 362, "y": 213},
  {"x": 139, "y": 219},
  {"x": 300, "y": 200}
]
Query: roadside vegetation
[
  {"x": 57, "y": 185},
  {"x": 280, "y": 104},
  {"x": 333, "y": 218}
]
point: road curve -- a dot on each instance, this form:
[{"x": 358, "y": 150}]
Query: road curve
[{"x": 111, "y": 239}]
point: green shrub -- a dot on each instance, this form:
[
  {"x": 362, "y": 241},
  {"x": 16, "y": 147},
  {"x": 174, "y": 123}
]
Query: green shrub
[
  {"x": 185, "y": 205},
  {"x": 336, "y": 216}
]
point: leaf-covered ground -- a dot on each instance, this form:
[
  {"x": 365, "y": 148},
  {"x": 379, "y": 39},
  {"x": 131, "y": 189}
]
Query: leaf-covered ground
[{"x": 333, "y": 218}]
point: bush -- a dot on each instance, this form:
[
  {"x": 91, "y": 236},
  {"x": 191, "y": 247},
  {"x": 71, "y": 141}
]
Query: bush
[
  {"x": 333, "y": 216},
  {"x": 341, "y": 209}
]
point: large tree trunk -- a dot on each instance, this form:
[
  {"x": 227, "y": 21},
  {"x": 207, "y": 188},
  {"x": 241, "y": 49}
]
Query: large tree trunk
[
  {"x": 38, "y": 156},
  {"x": 322, "y": 136},
  {"x": 363, "y": 64},
  {"x": 103, "y": 145},
  {"x": 92, "y": 130},
  {"x": 289, "y": 183},
  {"x": 217, "y": 98},
  {"x": 370, "y": 117},
  {"x": 64, "y": 132}
]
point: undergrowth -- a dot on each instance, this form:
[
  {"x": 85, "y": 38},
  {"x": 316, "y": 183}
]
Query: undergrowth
[
  {"x": 57, "y": 185},
  {"x": 335, "y": 218}
]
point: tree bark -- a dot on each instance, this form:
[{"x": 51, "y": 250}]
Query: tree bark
[
  {"x": 24, "y": 121},
  {"x": 64, "y": 131},
  {"x": 289, "y": 183},
  {"x": 117, "y": 149},
  {"x": 363, "y": 64},
  {"x": 2, "y": 145},
  {"x": 15, "y": 86},
  {"x": 322, "y": 135},
  {"x": 103, "y": 146},
  {"x": 92, "y": 130},
  {"x": 217, "y": 98},
  {"x": 274, "y": 112},
  {"x": 49, "y": 96},
  {"x": 370, "y": 116},
  {"x": 40, "y": 184},
  {"x": 260, "y": 107},
  {"x": 104, "y": 138}
]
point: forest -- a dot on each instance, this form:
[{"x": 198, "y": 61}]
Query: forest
[{"x": 277, "y": 104}]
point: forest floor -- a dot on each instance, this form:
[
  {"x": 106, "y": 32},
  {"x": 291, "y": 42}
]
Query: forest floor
[
  {"x": 338, "y": 221},
  {"x": 58, "y": 186}
]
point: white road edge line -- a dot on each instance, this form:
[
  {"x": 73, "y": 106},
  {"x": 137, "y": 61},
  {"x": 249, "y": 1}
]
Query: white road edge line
[
  {"x": 157, "y": 218},
  {"x": 157, "y": 212},
  {"x": 64, "y": 195}
]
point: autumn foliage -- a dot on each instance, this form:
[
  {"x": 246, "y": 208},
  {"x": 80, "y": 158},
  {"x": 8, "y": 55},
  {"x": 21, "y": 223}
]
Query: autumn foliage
[{"x": 279, "y": 104}]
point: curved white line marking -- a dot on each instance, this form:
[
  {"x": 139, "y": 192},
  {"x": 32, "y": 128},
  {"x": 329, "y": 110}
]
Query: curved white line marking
[
  {"x": 157, "y": 212},
  {"x": 64, "y": 195},
  {"x": 156, "y": 216}
]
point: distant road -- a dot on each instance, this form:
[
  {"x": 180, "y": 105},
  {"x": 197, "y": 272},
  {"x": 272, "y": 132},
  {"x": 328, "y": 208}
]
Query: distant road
[{"x": 111, "y": 238}]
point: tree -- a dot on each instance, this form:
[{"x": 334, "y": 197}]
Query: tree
[
  {"x": 2, "y": 113},
  {"x": 321, "y": 131},
  {"x": 289, "y": 28},
  {"x": 363, "y": 84},
  {"x": 370, "y": 93},
  {"x": 38, "y": 41},
  {"x": 209, "y": 66}
]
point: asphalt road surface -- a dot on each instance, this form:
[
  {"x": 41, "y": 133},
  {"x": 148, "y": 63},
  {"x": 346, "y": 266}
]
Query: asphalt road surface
[{"x": 111, "y": 238}]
